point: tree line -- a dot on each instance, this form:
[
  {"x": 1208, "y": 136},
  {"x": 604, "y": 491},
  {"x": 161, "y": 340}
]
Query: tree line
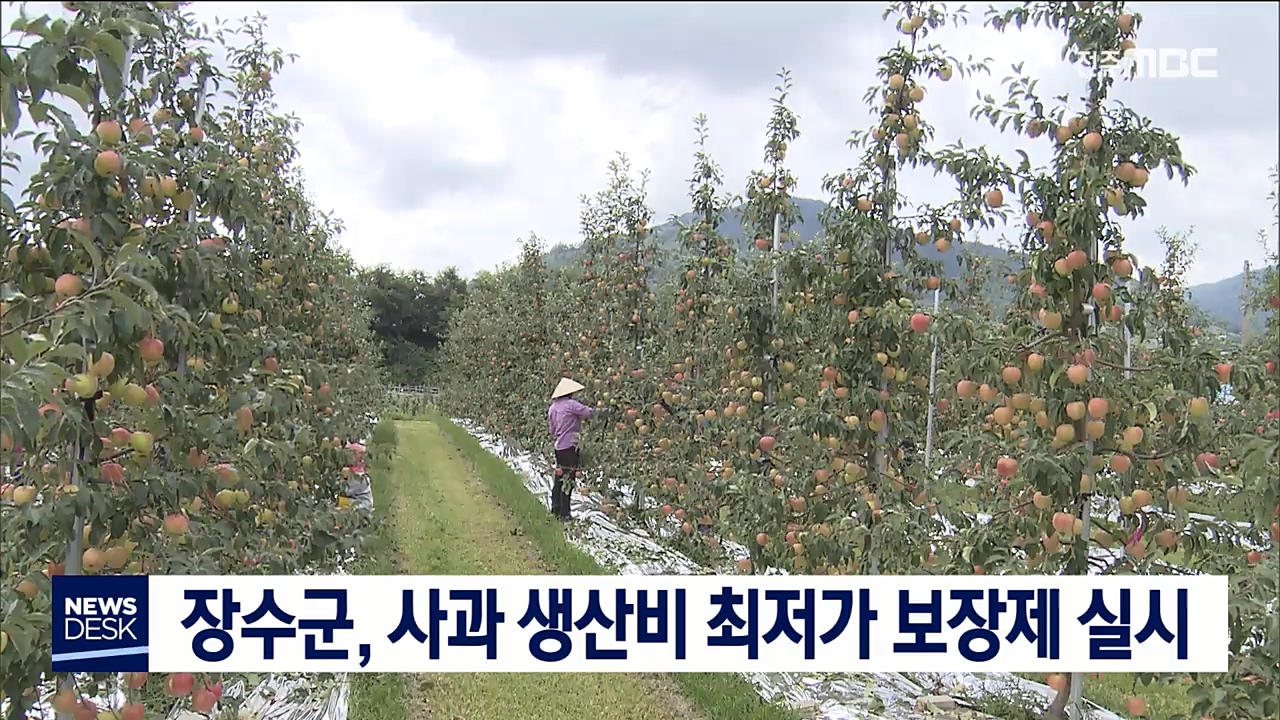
[{"x": 410, "y": 313}]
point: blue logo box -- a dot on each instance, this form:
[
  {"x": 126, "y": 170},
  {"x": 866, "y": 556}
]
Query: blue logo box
[{"x": 100, "y": 624}]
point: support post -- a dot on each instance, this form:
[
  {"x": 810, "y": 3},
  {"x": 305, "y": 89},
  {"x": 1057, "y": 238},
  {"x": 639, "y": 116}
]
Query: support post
[{"x": 933, "y": 389}]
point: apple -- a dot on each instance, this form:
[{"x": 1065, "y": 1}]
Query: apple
[
  {"x": 1098, "y": 407},
  {"x": 203, "y": 700},
  {"x": 1141, "y": 499},
  {"x": 1206, "y": 461},
  {"x": 1078, "y": 374},
  {"x": 151, "y": 350},
  {"x": 176, "y": 524},
  {"x": 93, "y": 560},
  {"x": 68, "y": 285},
  {"x": 767, "y": 443},
  {"x": 86, "y": 710},
  {"x": 104, "y": 366},
  {"x": 107, "y": 163},
  {"x": 920, "y": 322},
  {"x": 244, "y": 418},
  {"x": 179, "y": 684},
  {"x": 109, "y": 132},
  {"x": 1121, "y": 463},
  {"x": 1007, "y": 467},
  {"x": 1063, "y": 522},
  {"x": 1224, "y": 372},
  {"x": 24, "y": 495},
  {"x": 111, "y": 472},
  {"x": 84, "y": 385},
  {"x": 134, "y": 396},
  {"x": 1198, "y": 407},
  {"x": 142, "y": 443}
]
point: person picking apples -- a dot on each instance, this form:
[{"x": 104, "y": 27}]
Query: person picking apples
[
  {"x": 564, "y": 420},
  {"x": 355, "y": 483}
]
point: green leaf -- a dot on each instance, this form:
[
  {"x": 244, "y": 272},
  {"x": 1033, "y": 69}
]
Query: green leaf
[
  {"x": 110, "y": 73},
  {"x": 17, "y": 348},
  {"x": 6, "y": 205},
  {"x": 10, "y": 109},
  {"x": 111, "y": 45},
  {"x": 75, "y": 93},
  {"x": 90, "y": 247}
]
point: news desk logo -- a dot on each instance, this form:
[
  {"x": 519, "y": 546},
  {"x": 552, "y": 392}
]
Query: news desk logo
[
  {"x": 100, "y": 624},
  {"x": 1154, "y": 63}
]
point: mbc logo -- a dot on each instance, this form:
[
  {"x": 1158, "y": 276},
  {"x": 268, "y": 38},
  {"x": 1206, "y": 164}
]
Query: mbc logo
[{"x": 1155, "y": 63}]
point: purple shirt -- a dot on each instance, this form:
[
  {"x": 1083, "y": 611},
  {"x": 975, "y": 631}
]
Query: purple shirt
[{"x": 564, "y": 418}]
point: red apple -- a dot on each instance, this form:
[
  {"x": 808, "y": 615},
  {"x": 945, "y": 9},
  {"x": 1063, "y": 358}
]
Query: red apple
[
  {"x": 1007, "y": 466},
  {"x": 203, "y": 700},
  {"x": 179, "y": 684},
  {"x": 1224, "y": 372}
]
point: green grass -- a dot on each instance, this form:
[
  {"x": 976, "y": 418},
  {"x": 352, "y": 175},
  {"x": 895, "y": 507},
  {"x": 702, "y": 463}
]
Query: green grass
[
  {"x": 1113, "y": 690},
  {"x": 716, "y": 696},
  {"x": 379, "y": 696},
  {"x": 448, "y": 507}
]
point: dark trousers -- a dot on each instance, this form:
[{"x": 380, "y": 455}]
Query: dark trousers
[{"x": 562, "y": 489}]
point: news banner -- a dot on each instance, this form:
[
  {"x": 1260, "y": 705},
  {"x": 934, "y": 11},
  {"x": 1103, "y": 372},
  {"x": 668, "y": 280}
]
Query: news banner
[{"x": 639, "y": 624}]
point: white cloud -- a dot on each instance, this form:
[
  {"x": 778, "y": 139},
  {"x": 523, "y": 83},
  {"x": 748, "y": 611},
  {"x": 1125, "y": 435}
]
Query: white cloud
[{"x": 490, "y": 148}]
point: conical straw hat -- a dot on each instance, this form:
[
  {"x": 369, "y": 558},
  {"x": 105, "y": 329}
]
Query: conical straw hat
[{"x": 566, "y": 387}]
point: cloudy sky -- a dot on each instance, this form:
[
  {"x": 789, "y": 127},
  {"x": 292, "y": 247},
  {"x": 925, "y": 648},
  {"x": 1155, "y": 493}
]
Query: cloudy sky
[{"x": 442, "y": 133}]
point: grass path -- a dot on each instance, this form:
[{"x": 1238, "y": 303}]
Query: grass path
[{"x": 451, "y": 510}]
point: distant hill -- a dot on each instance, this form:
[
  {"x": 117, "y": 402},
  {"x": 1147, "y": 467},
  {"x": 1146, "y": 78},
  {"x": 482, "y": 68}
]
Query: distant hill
[
  {"x": 1220, "y": 300},
  {"x": 808, "y": 227}
]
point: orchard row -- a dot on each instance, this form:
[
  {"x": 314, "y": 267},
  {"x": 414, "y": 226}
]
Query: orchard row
[
  {"x": 183, "y": 362},
  {"x": 812, "y": 406}
]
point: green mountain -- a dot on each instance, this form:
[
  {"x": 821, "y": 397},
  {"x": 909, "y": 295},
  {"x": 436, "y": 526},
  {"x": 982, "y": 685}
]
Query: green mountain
[
  {"x": 807, "y": 227},
  {"x": 1220, "y": 301}
]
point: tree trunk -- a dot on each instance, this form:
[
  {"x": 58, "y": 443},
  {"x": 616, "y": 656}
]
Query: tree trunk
[{"x": 1057, "y": 709}]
